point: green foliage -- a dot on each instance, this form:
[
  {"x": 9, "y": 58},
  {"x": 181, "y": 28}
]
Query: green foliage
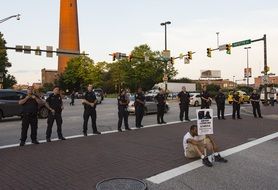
[
  {"x": 8, "y": 80},
  {"x": 182, "y": 80},
  {"x": 80, "y": 72},
  {"x": 47, "y": 87}
]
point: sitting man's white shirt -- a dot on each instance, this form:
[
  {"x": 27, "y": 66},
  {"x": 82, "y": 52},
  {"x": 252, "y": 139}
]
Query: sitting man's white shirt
[{"x": 189, "y": 136}]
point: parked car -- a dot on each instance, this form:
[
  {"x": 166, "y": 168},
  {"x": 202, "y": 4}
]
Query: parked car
[
  {"x": 195, "y": 99},
  {"x": 9, "y": 106},
  {"x": 243, "y": 97},
  {"x": 100, "y": 92},
  {"x": 150, "y": 105},
  {"x": 47, "y": 94}
]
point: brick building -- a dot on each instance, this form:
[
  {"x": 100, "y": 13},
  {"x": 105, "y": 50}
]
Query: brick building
[
  {"x": 259, "y": 79},
  {"x": 49, "y": 76}
]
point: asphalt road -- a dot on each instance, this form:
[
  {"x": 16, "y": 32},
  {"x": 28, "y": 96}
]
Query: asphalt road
[{"x": 107, "y": 118}]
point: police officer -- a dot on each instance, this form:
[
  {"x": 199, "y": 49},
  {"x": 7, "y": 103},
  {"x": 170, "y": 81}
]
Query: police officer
[
  {"x": 55, "y": 105},
  {"x": 161, "y": 102},
  {"x": 184, "y": 99},
  {"x": 72, "y": 96},
  {"x": 220, "y": 99},
  {"x": 29, "y": 104},
  {"x": 122, "y": 110},
  {"x": 236, "y": 105},
  {"x": 90, "y": 102},
  {"x": 139, "y": 107},
  {"x": 255, "y": 100},
  {"x": 205, "y": 99}
]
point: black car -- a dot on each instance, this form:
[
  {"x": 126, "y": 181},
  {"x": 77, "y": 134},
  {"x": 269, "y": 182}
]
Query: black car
[{"x": 9, "y": 106}]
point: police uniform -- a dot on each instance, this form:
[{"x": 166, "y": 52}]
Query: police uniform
[
  {"x": 184, "y": 104},
  {"x": 55, "y": 102},
  {"x": 90, "y": 111},
  {"x": 220, "y": 99},
  {"x": 160, "y": 107},
  {"x": 236, "y": 106},
  {"x": 256, "y": 104},
  {"x": 205, "y": 104},
  {"x": 139, "y": 108},
  {"x": 122, "y": 112},
  {"x": 29, "y": 117}
]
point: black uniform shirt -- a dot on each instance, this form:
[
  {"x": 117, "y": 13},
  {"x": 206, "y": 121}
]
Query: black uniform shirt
[
  {"x": 90, "y": 97},
  {"x": 236, "y": 97},
  {"x": 255, "y": 97},
  {"x": 160, "y": 99},
  {"x": 55, "y": 102},
  {"x": 220, "y": 98},
  {"x": 30, "y": 106},
  {"x": 141, "y": 97},
  {"x": 205, "y": 95},
  {"x": 184, "y": 97},
  {"x": 123, "y": 99}
]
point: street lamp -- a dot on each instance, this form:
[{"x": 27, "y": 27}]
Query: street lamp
[
  {"x": 165, "y": 70},
  {"x": 5, "y": 19},
  {"x": 165, "y": 26},
  {"x": 247, "y": 73}
]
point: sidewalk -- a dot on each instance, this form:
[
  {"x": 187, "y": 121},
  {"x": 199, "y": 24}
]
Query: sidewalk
[{"x": 82, "y": 162}]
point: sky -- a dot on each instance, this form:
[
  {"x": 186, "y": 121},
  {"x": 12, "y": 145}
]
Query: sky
[{"x": 118, "y": 26}]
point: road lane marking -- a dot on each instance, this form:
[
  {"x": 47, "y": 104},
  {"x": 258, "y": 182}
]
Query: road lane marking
[
  {"x": 104, "y": 132},
  {"x": 167, "y": 175}
]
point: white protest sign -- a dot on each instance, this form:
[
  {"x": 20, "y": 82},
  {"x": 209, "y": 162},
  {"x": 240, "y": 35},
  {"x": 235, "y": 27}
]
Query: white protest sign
[{"x": 204, "y": 121}]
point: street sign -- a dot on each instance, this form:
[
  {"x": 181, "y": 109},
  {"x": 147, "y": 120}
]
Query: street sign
[
  {"x": 186, "y": 60},
  {"x": 222, "y": 47},
  {"x": 247, "y": 72},
  {"x": 241, "y": 43},
  {"x": 166, "y": 54}
]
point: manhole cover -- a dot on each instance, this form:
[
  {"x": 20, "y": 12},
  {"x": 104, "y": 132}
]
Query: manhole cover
[{"x": 121, "y": 184}]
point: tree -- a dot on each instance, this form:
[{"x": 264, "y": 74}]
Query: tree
[
  {"x": 8, "y": 80},
  {"x": 138, "y": 72},
  {"x": 80, "y": 72}
]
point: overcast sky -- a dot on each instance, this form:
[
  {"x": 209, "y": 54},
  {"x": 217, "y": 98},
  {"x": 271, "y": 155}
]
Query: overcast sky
[{"x": 110, "y": 26}]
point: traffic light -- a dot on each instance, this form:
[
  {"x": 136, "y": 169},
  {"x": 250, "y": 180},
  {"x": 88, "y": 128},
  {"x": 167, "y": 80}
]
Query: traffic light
[
  {"x": 228, "y": 48},
  {"x": 38, "y": 51},
  {"x": 209, "y": 52},
  {"x": 189, "y": 55},
  {"x": 172, "y": 60},
  {"x": 129, "y": 58},
  {"x": 113, "y": 56}
]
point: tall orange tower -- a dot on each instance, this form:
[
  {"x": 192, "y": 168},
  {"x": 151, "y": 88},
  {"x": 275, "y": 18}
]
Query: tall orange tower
[{"x": 69, "y": 33}]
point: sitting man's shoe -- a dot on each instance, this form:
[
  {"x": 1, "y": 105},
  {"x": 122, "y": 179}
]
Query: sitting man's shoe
[
  {"x": 158, "y": 122},
  {"x": 62, "y": 138},
  {"x": 218, "y": 158},
  {"x": 120, "y": 130},
  {"x": 22, "y": 143},
  {"x": 96, "y": 132},
  {"x": 163, "y": 122},
  {"x": 128, "y": 129},
  {"x": 141, "y": 126},
  {"x": 48, "y": 140},
  {"x": 187, "y": 119},
  {"x": 239, "y": 118},
  {"x": 223, "y": 118},
  {"x": 206, "y": 162},
  {"x": 35, "y": 142},
  {"x": 85, "y": 134},
  {"x": 261, "y": 117}
]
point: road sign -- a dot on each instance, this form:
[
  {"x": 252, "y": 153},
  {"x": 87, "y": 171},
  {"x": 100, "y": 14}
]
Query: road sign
[
  {"x": 241, "y": 43},
  {"x": 186, "y": 60},
  {"x": 166, "y": 54},
  {"x": 247, "y": 72}
]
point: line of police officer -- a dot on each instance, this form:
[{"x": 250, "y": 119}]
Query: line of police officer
[{"x": 54, "y": 103}]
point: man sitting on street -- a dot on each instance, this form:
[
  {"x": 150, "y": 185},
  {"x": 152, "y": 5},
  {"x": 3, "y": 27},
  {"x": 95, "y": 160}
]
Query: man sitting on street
[{"x": 194, "y": 146}]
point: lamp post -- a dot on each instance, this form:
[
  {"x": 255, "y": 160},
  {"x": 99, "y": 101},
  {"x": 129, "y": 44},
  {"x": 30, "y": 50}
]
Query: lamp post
[
  {"x": 5, "y": 19},
  {"x": 165, "y": 62},
  {"x": 165, "y": 26},
  {"x": 247, "y": 73}
]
